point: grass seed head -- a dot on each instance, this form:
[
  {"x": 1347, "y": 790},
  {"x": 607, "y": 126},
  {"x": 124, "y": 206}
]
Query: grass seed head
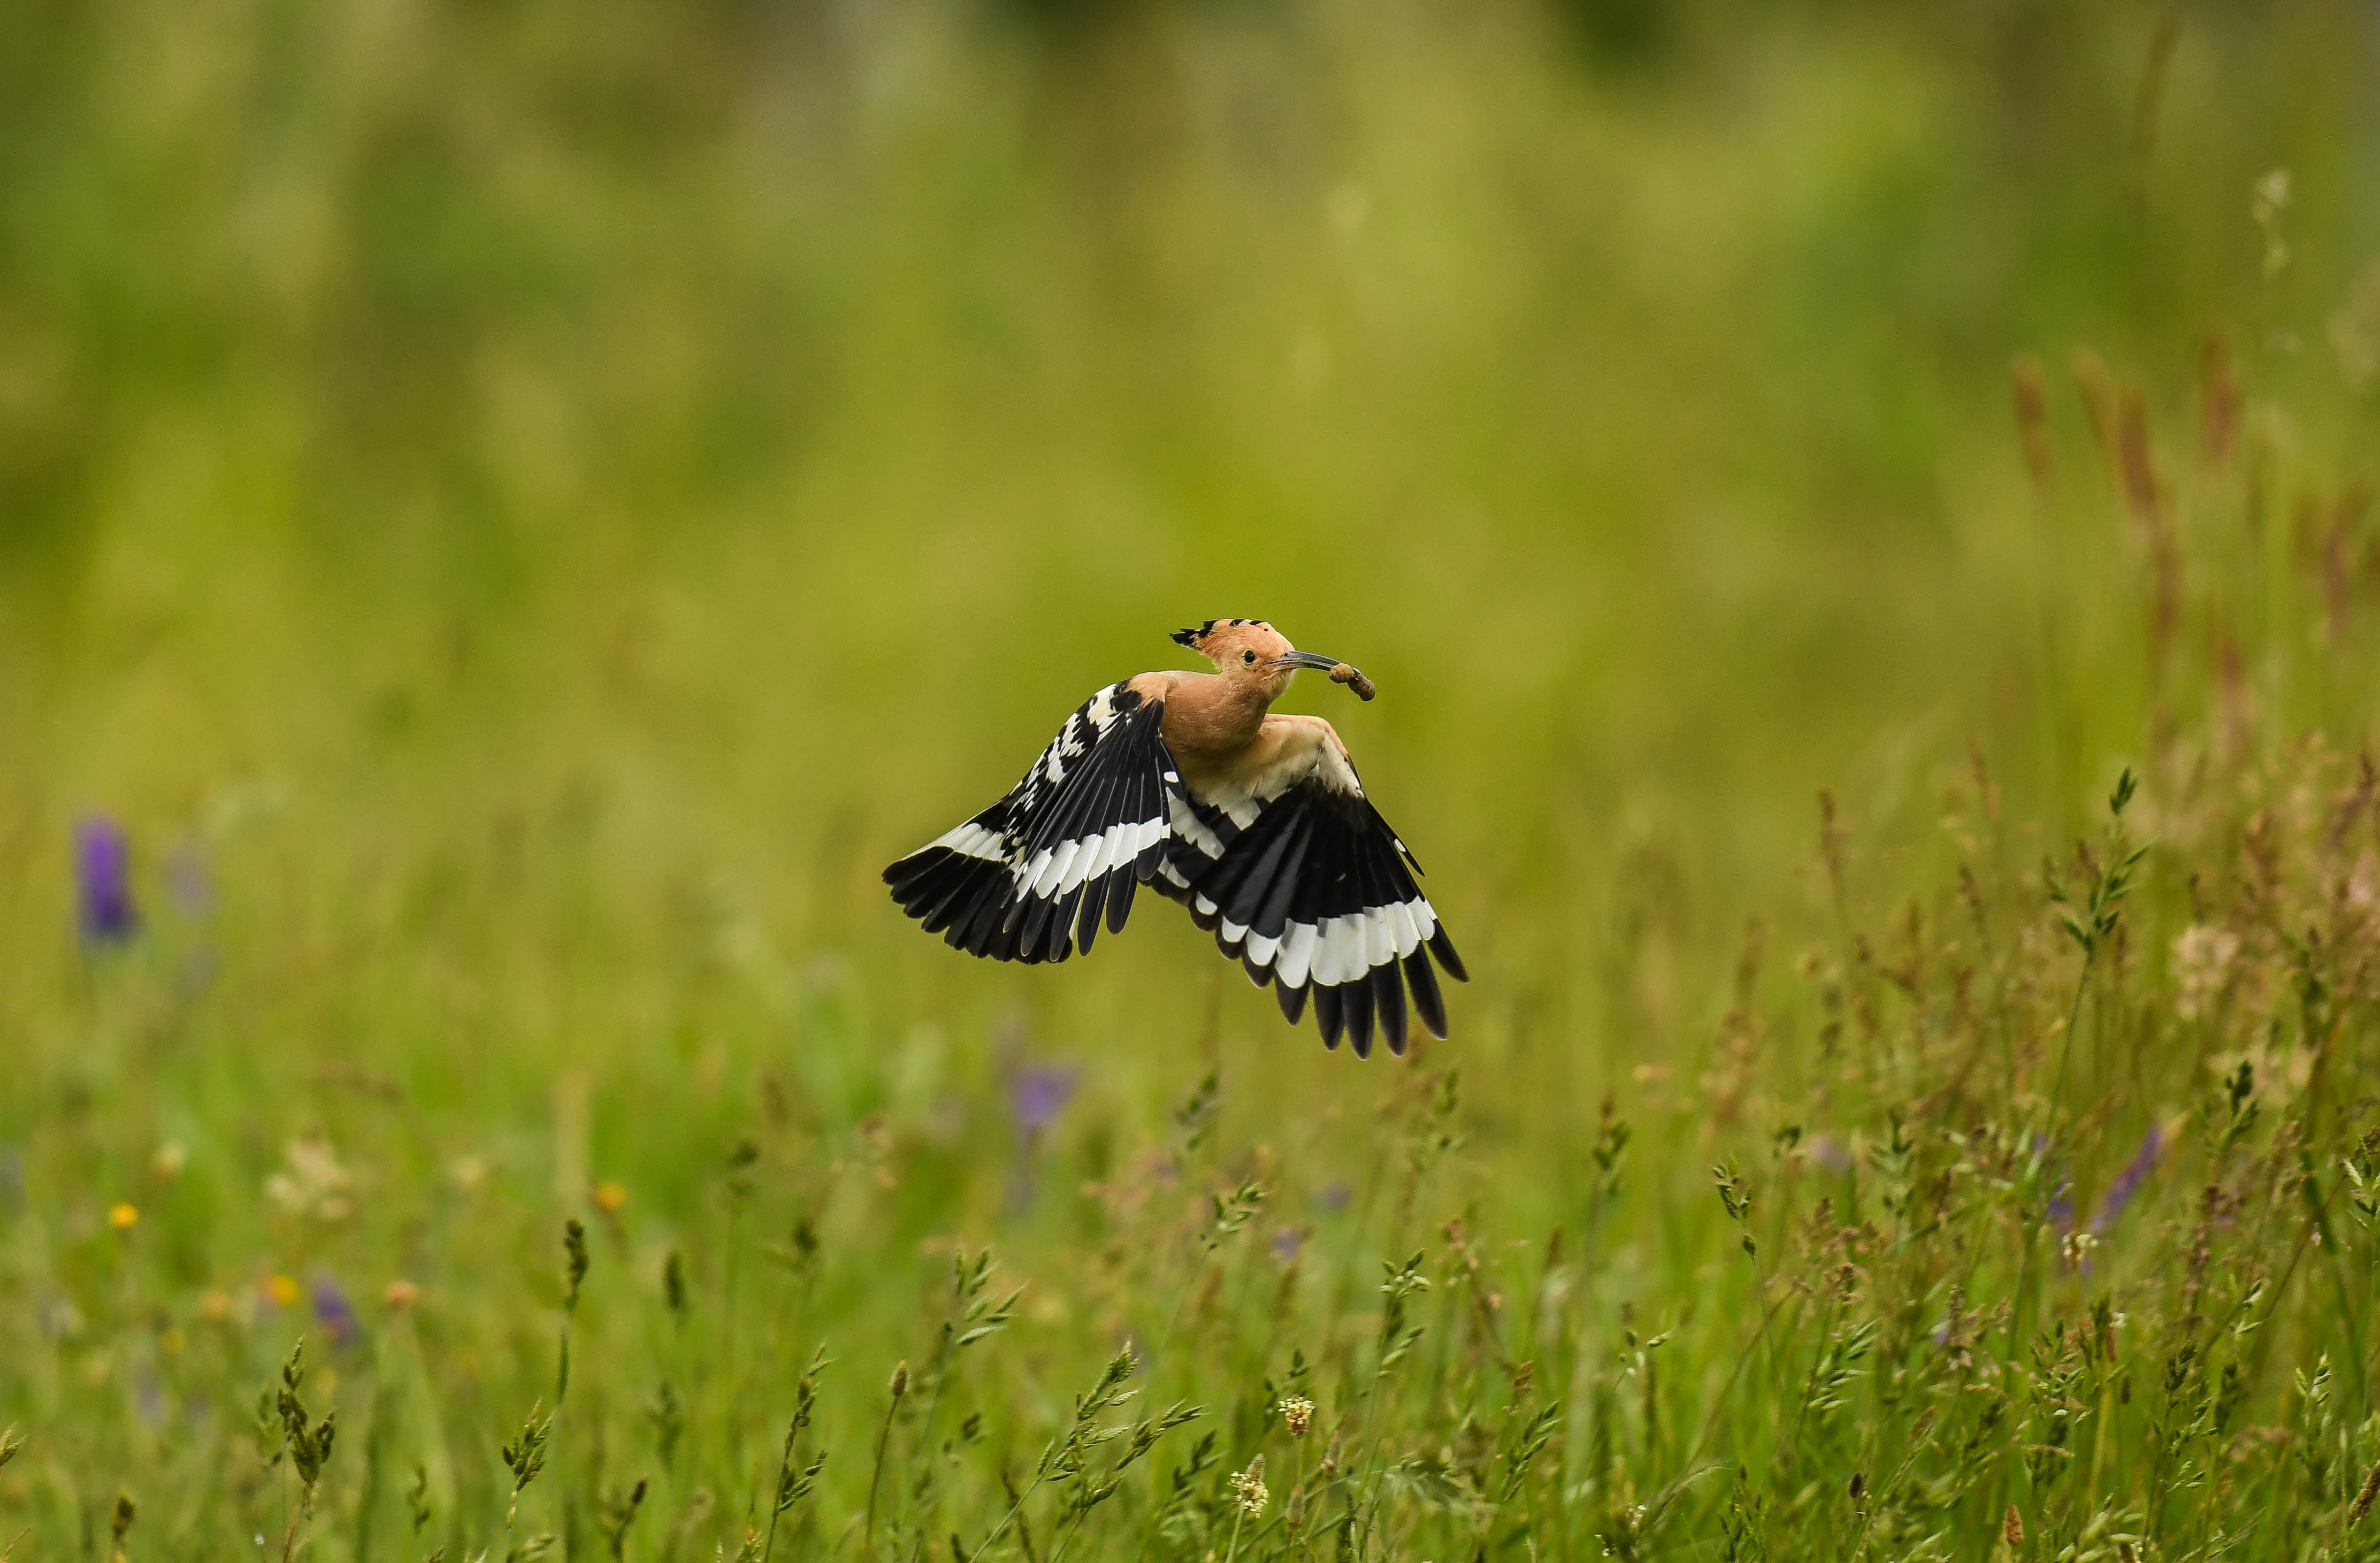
[
  {"x": 307, "y": 1443},
  {"x": 742, "y": 1175},
  {"x": 574, "y": 1249},
  {"x": 667, "y": 1413},
  {"x": 524, "y": 1455},
  {"x": 2033, "y": 420},
  {"x": 619, "y": 1512},
  {"x": 1248, "y": 1490},
  {"x": 673, "y": 1285}
]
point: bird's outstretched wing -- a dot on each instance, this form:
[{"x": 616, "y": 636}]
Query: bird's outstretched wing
[
  {"x": 1028, "y": 877},
  {"x": 1316, "y": 895}
]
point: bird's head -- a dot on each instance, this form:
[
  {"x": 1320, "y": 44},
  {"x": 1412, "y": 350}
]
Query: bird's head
[{"x": 1253, "y": 651}]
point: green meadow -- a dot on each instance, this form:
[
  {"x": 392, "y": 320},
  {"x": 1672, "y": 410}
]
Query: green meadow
[{"x": 1860, "y": 513}]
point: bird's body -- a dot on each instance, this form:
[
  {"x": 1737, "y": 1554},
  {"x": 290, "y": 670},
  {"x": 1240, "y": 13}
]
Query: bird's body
[{"x": 1188, "y": 783}]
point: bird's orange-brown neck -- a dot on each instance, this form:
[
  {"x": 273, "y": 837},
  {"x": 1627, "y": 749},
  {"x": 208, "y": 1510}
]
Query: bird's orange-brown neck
[{"x": 1210, "y": 718}]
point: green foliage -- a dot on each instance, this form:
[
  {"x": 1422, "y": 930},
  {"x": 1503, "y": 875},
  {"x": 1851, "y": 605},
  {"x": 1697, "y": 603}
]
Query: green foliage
[{"x": 520, "y": 510}]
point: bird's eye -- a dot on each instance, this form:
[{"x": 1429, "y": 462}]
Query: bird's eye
[{"x": 1247, "y": 655}]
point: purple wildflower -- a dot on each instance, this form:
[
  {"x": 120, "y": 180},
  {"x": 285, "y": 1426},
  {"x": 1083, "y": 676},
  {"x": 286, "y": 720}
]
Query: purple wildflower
[
  {"x": 332, "y": 1312},
  {"x": 103, "y": 880},
  {"x": 1830, "y": 1155},
  {"x": 1037, "y": 1094},
  {"x": 1334, "y": 1198},
  {"x": 2128, "y": 1183},
  {"x": 1287, "y": 1243}
]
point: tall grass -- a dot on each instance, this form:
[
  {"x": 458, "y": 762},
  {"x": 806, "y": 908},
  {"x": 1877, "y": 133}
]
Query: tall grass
[{"x": 2044, "y": 1225}]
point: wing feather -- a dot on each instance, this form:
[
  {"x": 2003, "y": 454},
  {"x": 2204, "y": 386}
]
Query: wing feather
[
  {"x": 1315, "y": 896},
  {"x": 1039, "y": 871}
]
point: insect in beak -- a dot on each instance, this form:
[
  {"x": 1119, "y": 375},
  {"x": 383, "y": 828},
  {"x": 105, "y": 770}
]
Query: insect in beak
[{"x": 1340, "y": 671}]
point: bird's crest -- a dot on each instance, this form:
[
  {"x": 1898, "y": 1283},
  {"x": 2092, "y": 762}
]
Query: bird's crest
[
  {"x": 1237, "y": 645},
  {"x": 1195, "y": 638}
]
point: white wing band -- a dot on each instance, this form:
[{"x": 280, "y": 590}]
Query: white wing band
[
  {"x": 1056, "y": 870},
  {"x": 1338, "y": 949}
]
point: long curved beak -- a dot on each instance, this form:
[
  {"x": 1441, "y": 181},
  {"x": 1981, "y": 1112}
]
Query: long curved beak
[{"x": 1315, "y": 660}]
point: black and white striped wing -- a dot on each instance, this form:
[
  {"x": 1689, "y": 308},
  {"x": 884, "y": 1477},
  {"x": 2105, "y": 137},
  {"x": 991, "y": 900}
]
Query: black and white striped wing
[
  {"x": 1316, "y": 895},
  {"x": 1036, "y": 871}
]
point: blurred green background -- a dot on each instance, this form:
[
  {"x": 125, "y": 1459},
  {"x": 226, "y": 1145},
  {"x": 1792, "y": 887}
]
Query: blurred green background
[
  {"x": 543, "y": 501},
  {"x": 521, "y": 508},
  {"x": 714, "y": 444}
]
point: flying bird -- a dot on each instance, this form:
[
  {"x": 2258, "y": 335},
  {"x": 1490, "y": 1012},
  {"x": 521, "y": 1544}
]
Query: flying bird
[{"x": 1187, "y": 783}]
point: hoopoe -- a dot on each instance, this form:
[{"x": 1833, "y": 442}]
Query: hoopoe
[{"x": 1185, "y": 782}]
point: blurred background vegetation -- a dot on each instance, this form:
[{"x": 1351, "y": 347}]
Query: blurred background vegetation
[{"x": 519, "y": 509}]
